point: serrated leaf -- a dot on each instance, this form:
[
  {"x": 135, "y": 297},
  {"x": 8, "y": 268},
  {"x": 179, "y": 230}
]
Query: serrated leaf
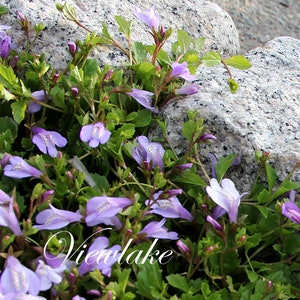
[
  {"x": 223, "y": 165},
  {"x": 3, "y": 10},
  {"x": 124, "y": 25},
  {"x": 211, "y": 59},
  {"x": 184, "y": 40},
  {"x": 7, "y": 76},
  {"x": 271, "y": 176},
  {"x": 18, "y": 111},
  {"x": 139, "y": 51},
  {"x": 233, "y": 85},
  {"x": 178, "y": 281},
  {"x": 238, "y": 61},
  {"x": 7, "y": 123}
]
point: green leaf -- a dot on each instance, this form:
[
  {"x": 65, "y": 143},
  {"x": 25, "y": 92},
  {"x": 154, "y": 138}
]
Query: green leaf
[
  {"x": 124, "y": 25},
  {"x": 252, "y": 276},
  {"x": 178, "y": 281},
  {"x": 105, "y": 32},
  {"x": 191, "y": 178},
  {"x": 18, "y": 111},
  {"x": 91, "y": 67},
  {"x": 264, "y": 196},
  {"x": 7, "y": 76},
  {"x": 224, "y": 164},
  {"x": 7, "y": 123},
  {"x": 143, "y": 118},
  {"x": 3, "y": 10},
  {"x": 271, "y": 176},
  {"x": 233, "y": 85},
  {"x": 139, "y": 51},
  {"x": 285, "y": 187},
  {"x": 264, "y": 210},
  {"x": 57, "y": 95},
  {"x": 184, "y": 40},
  {"x": 238, "y": 62},
  {"x": 211, "y": 59},
  {"x": 149, "y": 279}
]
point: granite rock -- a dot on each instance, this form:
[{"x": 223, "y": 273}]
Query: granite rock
[
  {"x": 264, "y": 114},
  {"x": 205, "y": 19}
]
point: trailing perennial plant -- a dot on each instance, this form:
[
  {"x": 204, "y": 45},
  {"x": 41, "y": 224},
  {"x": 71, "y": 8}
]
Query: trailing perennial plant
[{"x": 92, "y": 208}]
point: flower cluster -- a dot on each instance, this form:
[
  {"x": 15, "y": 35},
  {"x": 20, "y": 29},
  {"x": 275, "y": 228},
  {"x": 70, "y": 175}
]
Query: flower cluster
[{"x": 95, "y": 206}]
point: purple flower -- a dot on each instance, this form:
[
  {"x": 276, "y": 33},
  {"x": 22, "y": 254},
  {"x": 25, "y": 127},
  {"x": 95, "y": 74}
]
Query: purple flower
[
  {"x": 72, "y": 47},
  {"x": 183, "y": 167},
  {"x": 47, "y": 275},
  {"x": 47, "y": 140},
  {"x": 157, "y": 230},
  {"x": 104, "y": 209},
  {"x": 7, "y": 214},
  {"x": 98, "y": 257},
  {"x": 167, "y": 205},
  {"x": 5, "y": 45},
  {"x": 214, "y": 223},
  {"x": 188, "y": 89},
  {"x": 19, "y": 168},
  {"x": 39, "y": 96},
  {"x": 54, "y": 218},
  {"x": 206, "y": 136},
  {"x": 18, "y": 279},
  {"x": 95, "y": 134},
  {"x": 181, "y": 70},
  {"x": 183, "y": 247},
  {"x": 143, "y": 98},
  {"x": 148, "y": 17},
  {"x": 291, "y": 210},
  {"x": 148, "y": 153},
  {"x": 226, "y": 196}
]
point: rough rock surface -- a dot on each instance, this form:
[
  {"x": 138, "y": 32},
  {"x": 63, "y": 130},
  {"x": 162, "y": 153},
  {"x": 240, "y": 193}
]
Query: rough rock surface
[
  {"x": 205, "y": 19},
  {"x": 264, "y": 114},
  {"x": 260, "y": 21}
]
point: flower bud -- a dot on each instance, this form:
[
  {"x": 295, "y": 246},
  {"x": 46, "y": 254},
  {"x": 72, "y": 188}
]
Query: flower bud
[{"x": 72, "y": 47}]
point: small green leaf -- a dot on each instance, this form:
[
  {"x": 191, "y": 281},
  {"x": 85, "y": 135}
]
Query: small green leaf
[
  {"x": 238, "y": 62},
  {"x": 3, "y": 10},
  {"x": 264, "y": 210},
  {"x": 223, "y": 165},
  {"x": 143, "y": 118},
  {"x": 252, "y": 276},
  {"x": 18, "y": 111},
  {"x": 124, "y": 25},
  {"x": 184, "y": 40},
  {"x": 191, "y": 178},
  {"x": 233, "y": 85},
  {"x": 271, "y": 176},
  {"x": 211, "y": 59},
  {"x": 178, "y": 281},
  {"x": 139, "y": 51},
  {"x": 7, "y": 76}
]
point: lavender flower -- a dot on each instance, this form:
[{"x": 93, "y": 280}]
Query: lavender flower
[
  {"x": 104, "y": 209},
  {"x": 95, "y": 134},
  {"x": 292, "y": 211},
  {"x": 207, "y": 136},
  {"x": 7, "y": 214},
  {"x": 167, "y": 205},
  {"x": 143, "y": 98},
  {"x": 148, "y": 153},
  {"x": 98, "y": 257},
  {"x": 19, "y": 168},
  {"x": 47, "y": 140},
  {"x": 187, "y": 89},
  {"x": 5, "y": 45},
  {"x": 16, "y": 278},
  {"x": 72, "y": 47},
  {"x": 47, "y": 275},
  {"x": 181, "y": 70},
  {"x": 157, "y": 230},
  {"x": 214, "y": 223},
  {"x": 226, "y": 196},
  {"x": 183, "y": 247},
  {"x": 148, "y": 17},
  {"x": 39, "y": 96},
  {"x": 54, "y": 218}
]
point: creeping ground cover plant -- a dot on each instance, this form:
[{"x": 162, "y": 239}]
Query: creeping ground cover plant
[{"x": 91, "y": 207}]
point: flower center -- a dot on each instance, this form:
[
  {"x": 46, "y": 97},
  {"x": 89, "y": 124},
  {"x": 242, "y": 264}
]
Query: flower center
[
  {"x": 165, "y": 204},
  {"x": 51, "y": 218},
  {"x": 47, "y": 138},
  {"x": 97, "y": 132},
  {"x": 18, "y": 167},
  {"x": 19, "y": 280},
  {"x": 103, "y": 206}
]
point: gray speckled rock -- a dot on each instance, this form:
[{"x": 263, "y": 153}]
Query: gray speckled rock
[
  {"x": 264, "y": 114},
  {"x": 199, "y": 18}
]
